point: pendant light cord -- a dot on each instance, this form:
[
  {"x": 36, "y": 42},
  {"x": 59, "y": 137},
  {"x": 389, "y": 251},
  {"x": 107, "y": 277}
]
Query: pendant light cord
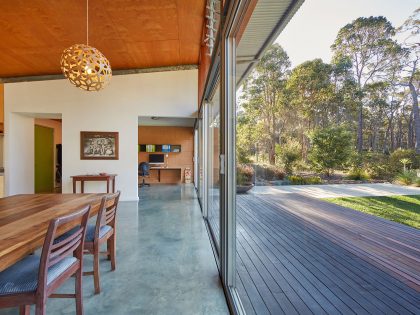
[{"x": 87, "y": 22}]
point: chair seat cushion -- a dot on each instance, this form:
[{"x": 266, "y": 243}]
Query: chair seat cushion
[
  {"x": 23, "y": 276},
  {"x": 90, "y": 233}
]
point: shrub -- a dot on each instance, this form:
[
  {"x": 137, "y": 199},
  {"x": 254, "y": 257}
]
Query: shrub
[
  {"x": 242, "y": 155},
  {"x": 399, "y": 156},
  {"x": 278, "y": 173},
  {"x": 331, "y": 149},
  {"x": 268, "y": 172},
  {"x": 355, "y": 160},
  {"x": 417, "y": 182},
  {"x": 244, "y": 174},
  {"x": 357, "y": 174},
  {"x": 405, "y": 162},
  {"x": 406, "y": 178},
  {"x": 302, "y": 166},
  {"x": 377, "y": 165},
  {"x": 300, "y": 180},
  {"x": 289, "y": 153},
  {"x": 295, "y": 179},
  {"x": 313, "y": 180}
]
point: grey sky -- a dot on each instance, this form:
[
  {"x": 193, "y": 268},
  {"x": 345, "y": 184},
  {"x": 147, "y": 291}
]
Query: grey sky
[{"x": 314, "y": 27}]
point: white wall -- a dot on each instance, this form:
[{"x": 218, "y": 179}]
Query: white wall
[
  {"x": 19, "y": 154},
  {"x": 1, "y": 150},
  {"x": 116, "y": 108}
]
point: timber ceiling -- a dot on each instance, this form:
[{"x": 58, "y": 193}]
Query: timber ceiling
[{"x": 130, "y": 33}]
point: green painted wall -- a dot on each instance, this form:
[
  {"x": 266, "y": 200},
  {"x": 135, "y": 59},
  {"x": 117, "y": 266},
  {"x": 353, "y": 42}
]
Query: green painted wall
[{"x": 44, "y": 159}]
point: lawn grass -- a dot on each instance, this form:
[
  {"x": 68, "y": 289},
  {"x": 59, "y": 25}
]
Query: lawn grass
[{"x": 402, "y": 209}]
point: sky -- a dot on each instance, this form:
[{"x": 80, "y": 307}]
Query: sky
[{"x": 314, "y": 27}]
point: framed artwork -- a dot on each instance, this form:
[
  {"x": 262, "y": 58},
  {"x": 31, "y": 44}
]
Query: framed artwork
[{"x": 98, "y": 145}]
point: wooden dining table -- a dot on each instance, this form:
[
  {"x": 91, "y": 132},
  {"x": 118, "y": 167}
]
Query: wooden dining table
[{"x": 24, "y": 221}]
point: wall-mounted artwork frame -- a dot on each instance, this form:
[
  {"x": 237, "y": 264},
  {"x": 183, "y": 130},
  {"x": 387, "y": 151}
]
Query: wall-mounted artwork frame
[{"x": 99, "y": 145}]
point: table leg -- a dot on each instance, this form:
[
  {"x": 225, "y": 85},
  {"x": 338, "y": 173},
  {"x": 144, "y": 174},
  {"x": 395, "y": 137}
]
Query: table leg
[
  {"x": 74, "y": 186},
  {"x": 113, "y": 185},
  {"x": 107, "y": 186},
  {"x": 159, "y": 176},
  {"x": 82, "y": 186}
]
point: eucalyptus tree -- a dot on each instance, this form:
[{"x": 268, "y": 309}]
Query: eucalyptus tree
[
  {"x": 248, "y": 136},
  {"x": 263, "y": 97},
  {"x": 375, "y": 113},
  {"x": 312, "y": 91},
  {"x": 368, "y": 44},
  {"x": 312, "y": 97},
  {"x": 410, "y": 31}
]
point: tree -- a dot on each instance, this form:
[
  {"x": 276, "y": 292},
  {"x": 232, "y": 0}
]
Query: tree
[
  {"x": 331, "y": 148},
  {"x": 377, "y": 108},
  {"x": 311, "y": 91},
  {"x": 371, "y": 87},
  {"x": 247, "y": 136},
  {"x": 367, "y": 43},
  {"x": 411, "y": 31},
  {"x": 263, "y": 98},
  {"x": 311, "y": 96},
  {"x": 289, "y": 153}
]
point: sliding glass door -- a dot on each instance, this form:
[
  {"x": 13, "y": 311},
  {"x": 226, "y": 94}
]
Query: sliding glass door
[
  {"x": 196, "y": 161},
  {"x": 200, "y": 161},
  {"x": 217, "y": 153},
  {"x": 213, "y": 169}
]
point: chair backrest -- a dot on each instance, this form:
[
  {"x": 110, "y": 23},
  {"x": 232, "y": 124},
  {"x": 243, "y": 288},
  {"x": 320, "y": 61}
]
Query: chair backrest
[
  {"x": 144, "y": 168},
  {"x": 71, "y": 246},
  {"x": 107, "y": 212}
]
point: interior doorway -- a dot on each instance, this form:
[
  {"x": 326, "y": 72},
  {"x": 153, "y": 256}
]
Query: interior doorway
[
  {"x": 47, "y": 155},
  {"x": 165, "y": 150},
  {"x": 44, "y": 159}
]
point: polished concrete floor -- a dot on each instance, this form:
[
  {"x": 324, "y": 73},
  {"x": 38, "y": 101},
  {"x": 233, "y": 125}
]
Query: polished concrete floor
[{"x": 165, "y": 264}]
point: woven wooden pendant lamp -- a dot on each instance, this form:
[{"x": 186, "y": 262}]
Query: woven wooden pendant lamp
[{"x": 85, "y": 66}]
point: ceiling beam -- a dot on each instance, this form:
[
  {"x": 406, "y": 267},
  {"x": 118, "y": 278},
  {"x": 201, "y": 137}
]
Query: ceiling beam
[{"x": 114, "y": 72}]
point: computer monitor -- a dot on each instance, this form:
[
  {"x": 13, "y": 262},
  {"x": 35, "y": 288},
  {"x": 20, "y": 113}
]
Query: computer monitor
[{"x": 157, "y": 158}]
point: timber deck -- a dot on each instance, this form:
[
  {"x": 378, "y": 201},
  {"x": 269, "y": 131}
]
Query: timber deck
[{"x": 298, "y": 255}]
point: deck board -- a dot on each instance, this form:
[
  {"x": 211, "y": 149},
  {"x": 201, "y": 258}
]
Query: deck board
[
  {"x": 244, "y": 297},
  {"x": 343, "y": 259},
  {"x": 318, "y": 293},
  {"x": 387, "y": 244},
  {"x": 279, "y": 249},
  {"x": 299, "y": 256},
  {"x": 281, "y": 252}
]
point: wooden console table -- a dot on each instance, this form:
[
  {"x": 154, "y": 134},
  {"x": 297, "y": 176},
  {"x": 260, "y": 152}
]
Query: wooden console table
[{"x": 93, "y": 178}]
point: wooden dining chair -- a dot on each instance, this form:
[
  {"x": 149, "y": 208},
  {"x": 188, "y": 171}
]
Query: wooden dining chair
[
  {"x": 103, "y": 231},
  {"x": 33, "y": 279}
]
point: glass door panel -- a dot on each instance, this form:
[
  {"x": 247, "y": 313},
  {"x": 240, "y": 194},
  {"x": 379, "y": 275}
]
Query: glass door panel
[
  {"x": 200, "y": 169},
  {"x": 213, "y": 153}
]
